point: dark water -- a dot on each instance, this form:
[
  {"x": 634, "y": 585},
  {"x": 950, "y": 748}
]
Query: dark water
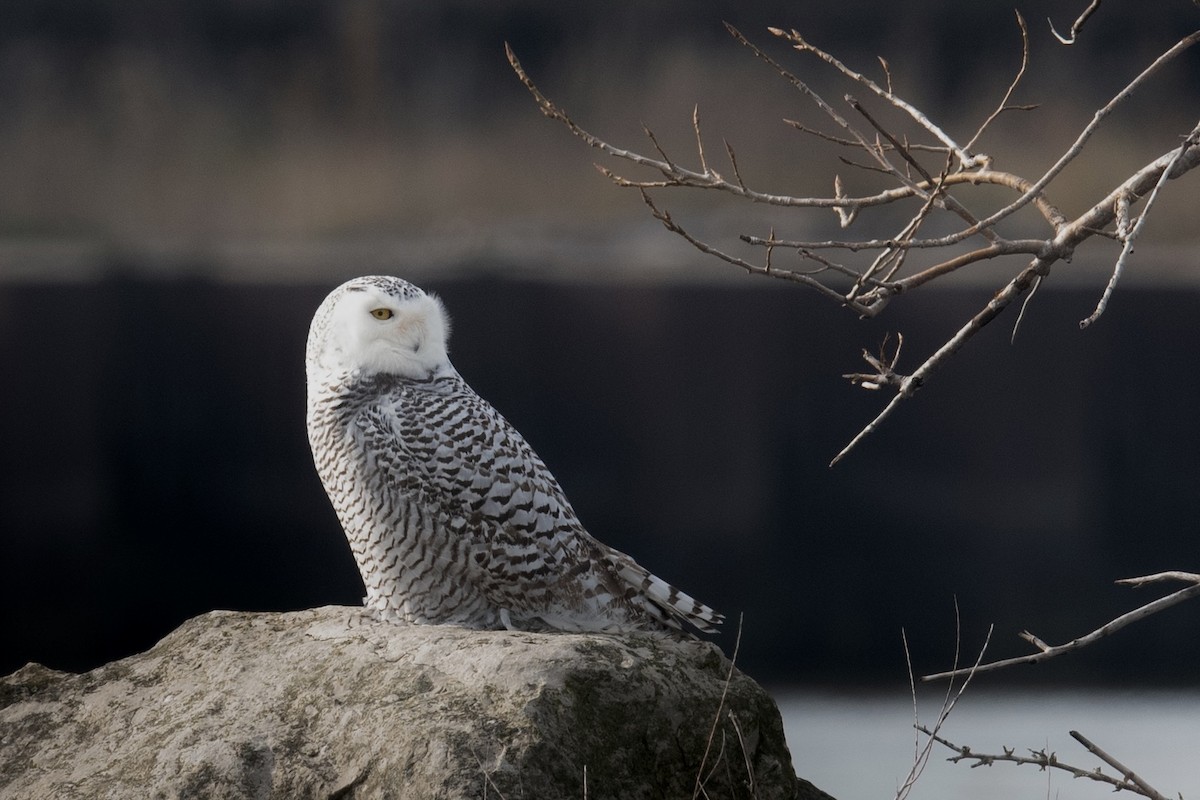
[{"x": 154, "y": 464}]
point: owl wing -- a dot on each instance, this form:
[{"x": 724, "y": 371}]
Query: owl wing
[
  {"x": 439, "y": 441},
  {"x": 527, "y": 548}
]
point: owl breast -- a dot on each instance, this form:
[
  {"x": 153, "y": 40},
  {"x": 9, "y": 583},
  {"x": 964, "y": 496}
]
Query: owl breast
[{"x": 415, "y": 558}]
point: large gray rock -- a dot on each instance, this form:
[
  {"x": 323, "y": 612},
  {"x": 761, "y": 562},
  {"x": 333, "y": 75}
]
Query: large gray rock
[{"x": 326, "y": 704}]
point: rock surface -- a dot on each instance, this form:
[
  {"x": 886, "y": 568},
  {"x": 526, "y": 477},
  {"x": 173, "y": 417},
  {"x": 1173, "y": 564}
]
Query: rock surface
[{"x": 327, "y": 704}]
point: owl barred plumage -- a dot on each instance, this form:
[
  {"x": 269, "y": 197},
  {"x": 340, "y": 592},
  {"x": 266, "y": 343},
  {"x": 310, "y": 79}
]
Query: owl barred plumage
[{"x": 451, "y": 515}]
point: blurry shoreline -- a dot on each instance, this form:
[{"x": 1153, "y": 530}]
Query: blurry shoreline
[
  {"x": 227, "y": 134},
  {"x": 639, "y": 253}
]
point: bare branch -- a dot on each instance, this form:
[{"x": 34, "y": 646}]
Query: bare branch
[
  {"x": 966, "y": 160},
  {"x": 890, "y": 152},
  {"x": 1003, "y": 248},
  {"x": 800, "y": 126},
  {"x": 799, "y": 277},
  {"x": 1051, "y": 213},
  {"x": 1077, "y": 147},
  {"x": 909, "y": 385},
  {"x": 1003, "y": 105},
  {"x": 1160, "y": 577},
  {"x": 945, "y": 200},
  {"x": 1061, "y": 247},
  {"x": 892, "y": 259},
  {"x": 1130, "y": 235},
  {"x": 1047, "y": 760},
  {"x": 677, "y": 176},
  {"x": 876, "y": 153},
  {"x": 1130, "y": 776},
  {"x": 1046, "y": 651},
  {"x": 1077, "y": 26}
]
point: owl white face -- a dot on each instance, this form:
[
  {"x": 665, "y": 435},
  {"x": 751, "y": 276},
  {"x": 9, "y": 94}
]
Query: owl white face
[{"x": 378, "y": 325}]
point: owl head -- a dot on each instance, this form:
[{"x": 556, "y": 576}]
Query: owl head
[{"x": 378, "y": 324}]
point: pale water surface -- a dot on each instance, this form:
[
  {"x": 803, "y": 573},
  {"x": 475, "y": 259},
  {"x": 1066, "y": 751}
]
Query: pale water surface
[{"x": 860, "y": 746}]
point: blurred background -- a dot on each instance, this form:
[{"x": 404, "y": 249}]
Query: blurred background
[{"x": 182, "y": 182}]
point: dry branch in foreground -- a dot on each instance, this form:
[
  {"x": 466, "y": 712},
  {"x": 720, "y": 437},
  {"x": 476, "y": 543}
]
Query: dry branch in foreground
[
  {"x": 1046, "y": 651},
  {"x": 1128, "y": 780},
  {"x": 934, "y": 176}
]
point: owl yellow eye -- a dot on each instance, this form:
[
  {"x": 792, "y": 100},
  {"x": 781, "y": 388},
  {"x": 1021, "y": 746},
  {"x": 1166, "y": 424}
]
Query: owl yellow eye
[{"x": 382, "y": 313}]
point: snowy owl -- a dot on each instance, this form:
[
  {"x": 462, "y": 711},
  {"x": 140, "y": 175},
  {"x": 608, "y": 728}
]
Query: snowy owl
[{"x": 451, "y": 515}]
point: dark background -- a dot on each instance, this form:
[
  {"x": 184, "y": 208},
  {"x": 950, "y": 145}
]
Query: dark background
[
  {"x": 184, "y": 181},
  {"x": 169, "y": 133},
  {"x": 156, "y": 465}
]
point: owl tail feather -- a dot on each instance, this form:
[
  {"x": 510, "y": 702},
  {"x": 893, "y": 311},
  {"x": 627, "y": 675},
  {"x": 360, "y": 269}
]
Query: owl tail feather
[{"x": 663, "y": 601}]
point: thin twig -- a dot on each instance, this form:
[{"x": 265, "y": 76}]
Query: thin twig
[
  {"x": 965, "y": 159},
  {"x": 799, "y": 277},
  {"x": 700, "y": 140},
  {"x": 1003, "y": 105},
  {"x": 876, "y": 153},
  {"x": 921, "y": 753},
  {"x": 698, "y": 788},
  {"x": 896, "y": 256},
  {"x": 745, "y": 752},
  {"x": 885, "y": 367},
  {"x": 487, "y": 777},
  {"x": 1025, "y": 305},
  {"x": 800, "y": 126},
  {"x": 733, "y": 163}
]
